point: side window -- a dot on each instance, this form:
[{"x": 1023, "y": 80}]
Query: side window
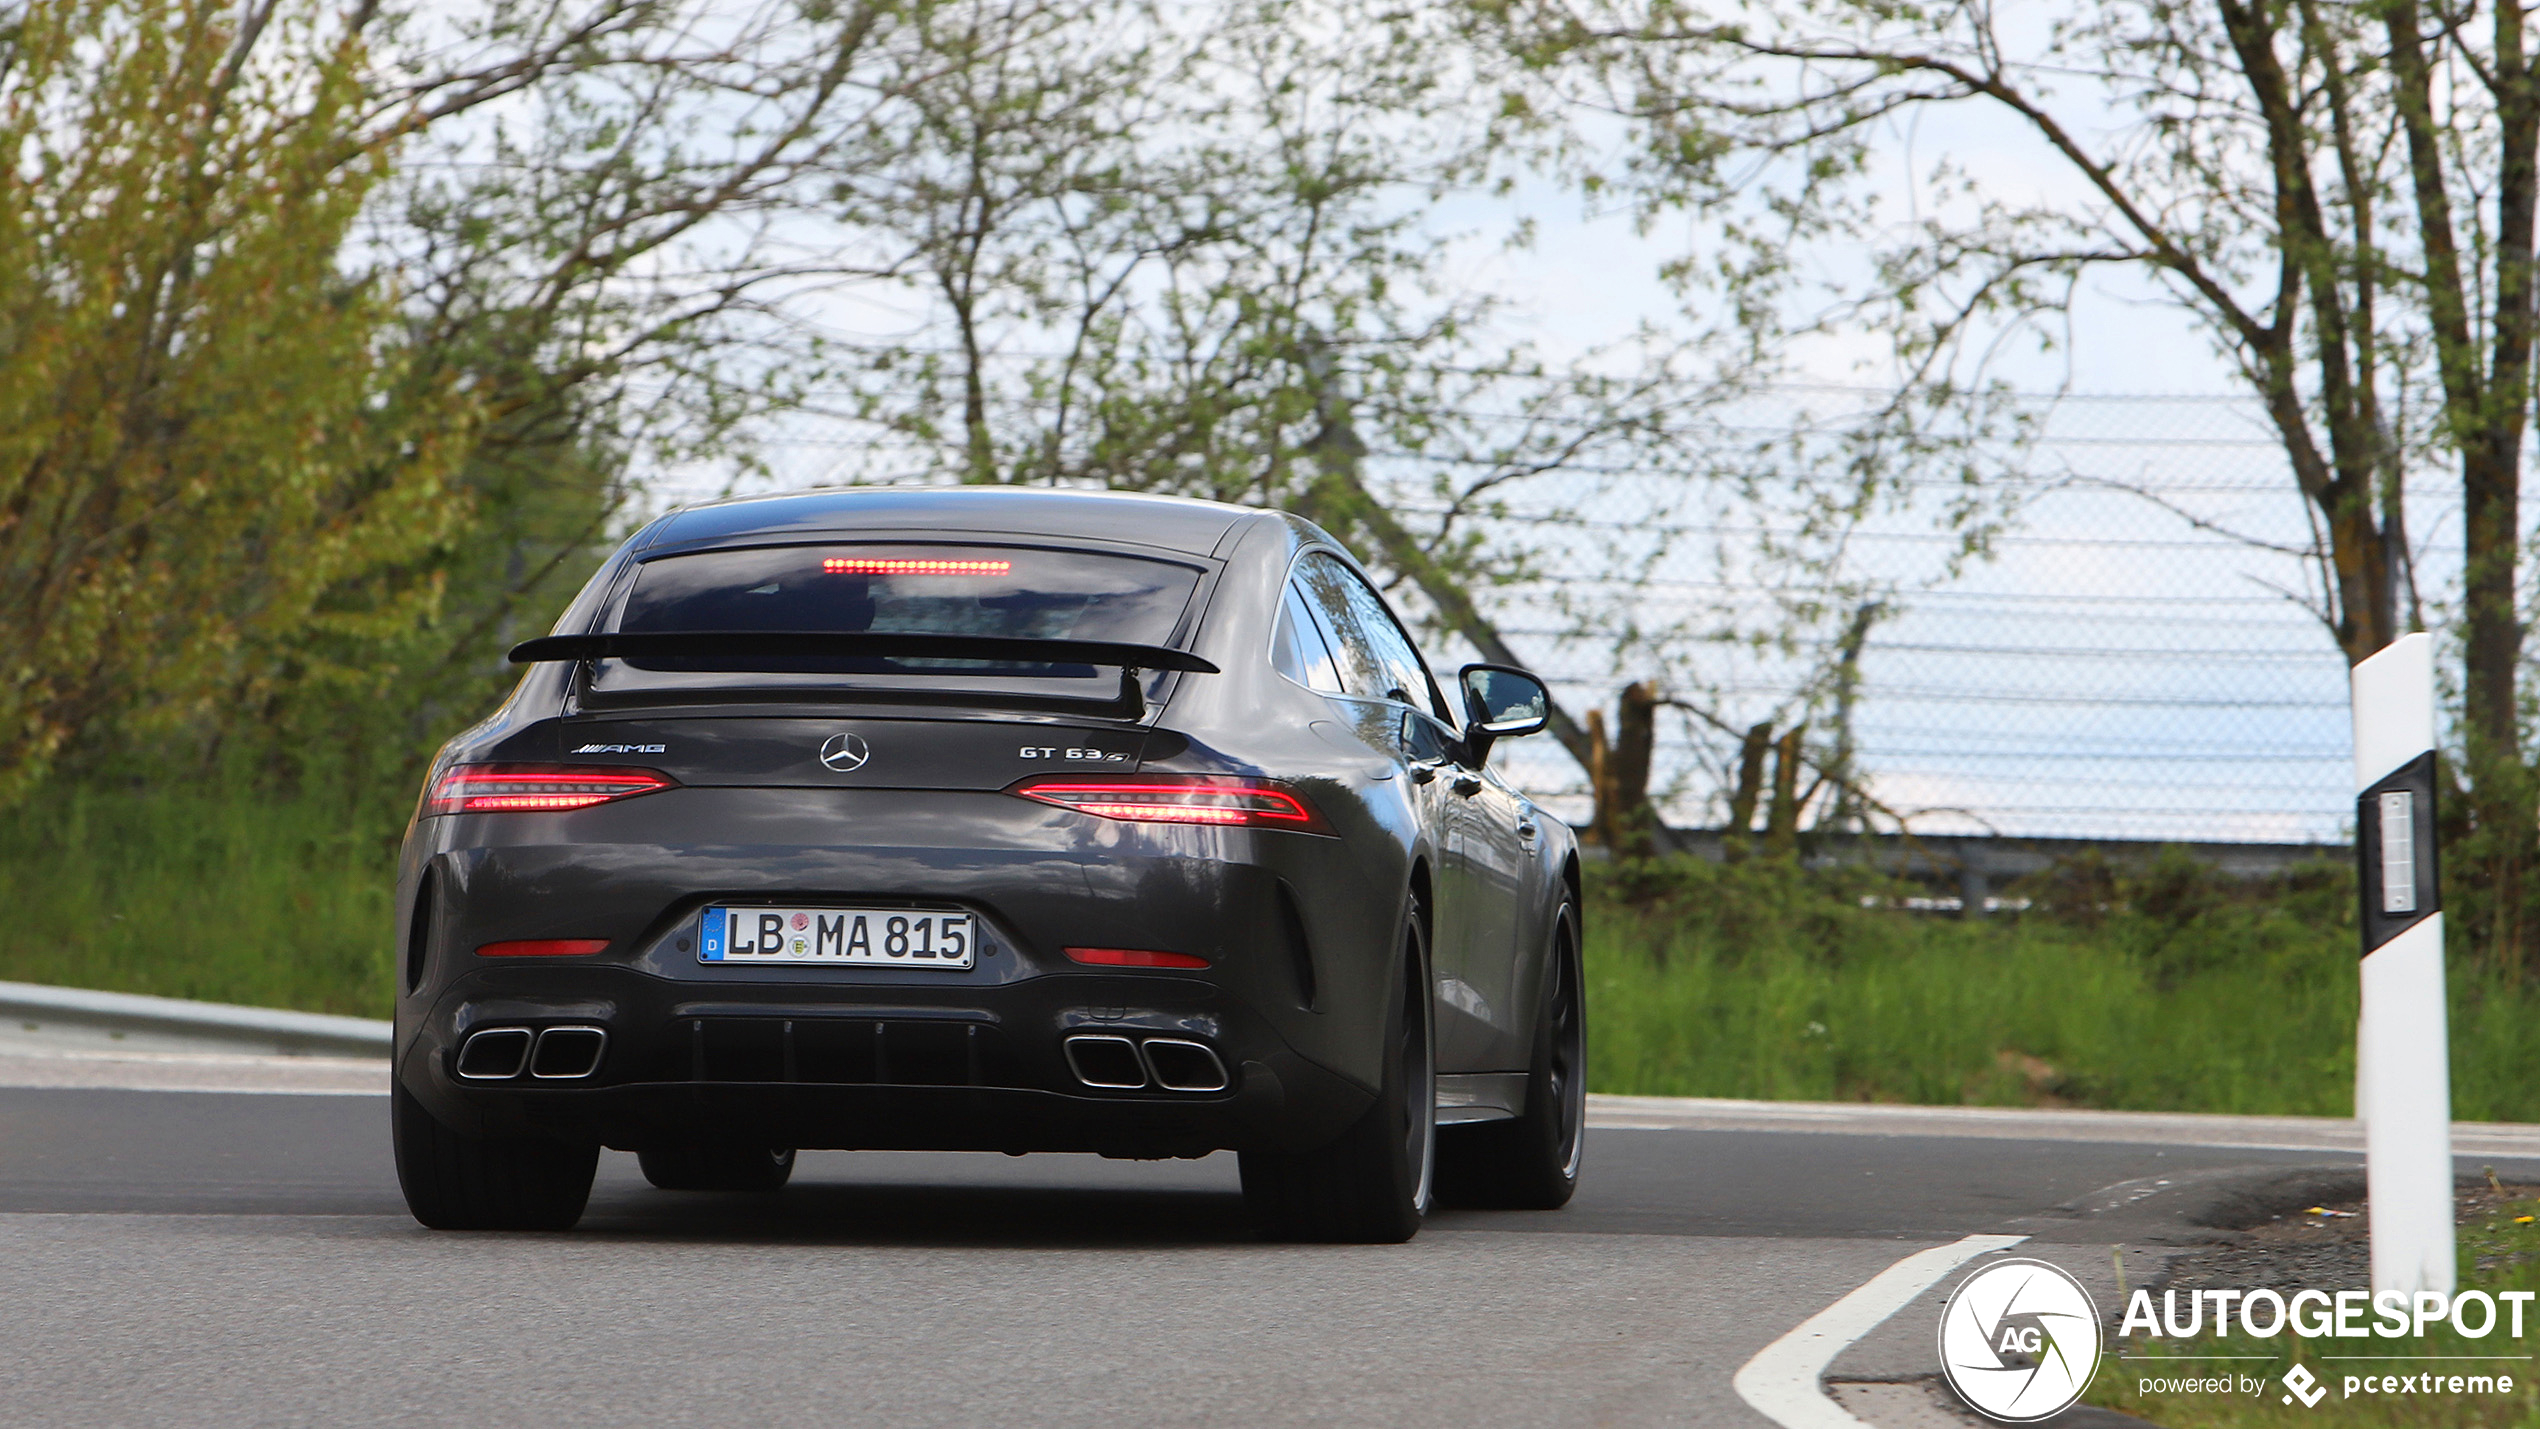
[
  {"x": 1395, "y": 670},
  {"x": 1299, "y": 649},
  {"x": 1325, "y": 584},
  {"x": 1422, "y": 739}
]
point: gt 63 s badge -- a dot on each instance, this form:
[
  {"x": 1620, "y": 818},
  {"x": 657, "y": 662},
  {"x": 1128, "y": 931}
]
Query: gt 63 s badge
[{"x": 2019, "y": 1340}]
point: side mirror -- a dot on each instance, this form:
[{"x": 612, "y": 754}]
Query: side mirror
[{"x": 1500, "y": 702}]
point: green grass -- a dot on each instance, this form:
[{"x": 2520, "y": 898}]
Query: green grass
[
  {"x": 2515, "y": 1252},
  {"x": 197, "y": 894},
  {"x": 2174, "y": 991}
]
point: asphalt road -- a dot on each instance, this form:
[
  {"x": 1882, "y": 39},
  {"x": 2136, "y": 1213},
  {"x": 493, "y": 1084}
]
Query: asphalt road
[{"x": 218, "y": 1259}]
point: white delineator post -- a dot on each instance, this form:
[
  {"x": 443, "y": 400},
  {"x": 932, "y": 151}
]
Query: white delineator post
[{"x": 2403, "y": 1083}]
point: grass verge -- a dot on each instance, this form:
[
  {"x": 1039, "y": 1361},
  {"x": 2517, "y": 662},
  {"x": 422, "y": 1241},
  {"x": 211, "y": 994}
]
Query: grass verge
[
  {"x": 2172, "y": 990},
  {"x": 194, "y": 894}
]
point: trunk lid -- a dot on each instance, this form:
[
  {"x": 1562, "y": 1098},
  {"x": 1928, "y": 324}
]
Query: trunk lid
[{"x": 851, "y": 753}]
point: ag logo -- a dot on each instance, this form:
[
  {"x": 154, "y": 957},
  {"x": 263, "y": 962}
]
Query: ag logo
[
  {"x": 2019, "y": 1340},
  {"x": 845, "y": 752}
]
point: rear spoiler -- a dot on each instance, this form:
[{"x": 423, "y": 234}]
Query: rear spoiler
[
  {"x": 744, "y": 645},
  {"x": 737, "y": 649}
]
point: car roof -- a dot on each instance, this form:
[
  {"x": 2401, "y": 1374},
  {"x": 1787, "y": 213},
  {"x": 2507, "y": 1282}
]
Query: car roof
[{"x": 1172, "y": 522}]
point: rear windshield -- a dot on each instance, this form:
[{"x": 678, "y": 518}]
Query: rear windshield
[{"x": 1010, "y": 591}]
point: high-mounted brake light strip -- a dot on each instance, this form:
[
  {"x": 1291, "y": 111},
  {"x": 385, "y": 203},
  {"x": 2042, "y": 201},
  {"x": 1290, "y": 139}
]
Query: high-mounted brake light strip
[
  {"x": 536, "y": 788},
  {"x": 1181, "y": 799},
  {"x": 877, "y": 566}
]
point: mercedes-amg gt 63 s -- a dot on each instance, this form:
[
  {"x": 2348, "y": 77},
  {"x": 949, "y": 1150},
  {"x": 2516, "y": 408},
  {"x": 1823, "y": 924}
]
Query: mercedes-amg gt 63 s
[{"x": 995, "y": 820}]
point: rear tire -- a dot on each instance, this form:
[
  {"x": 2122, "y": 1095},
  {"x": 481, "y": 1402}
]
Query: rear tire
[
  {"x": 718, "y": 1168},
  {"x": 1532, "y": 1163},
  {"x": 472, "y": 1183},
  {"x": 1371, "y": 1184}
]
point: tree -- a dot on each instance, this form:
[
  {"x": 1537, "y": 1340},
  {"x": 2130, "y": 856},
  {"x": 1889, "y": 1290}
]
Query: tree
[
  {"x": 2341, "y": 194},
  {"x": 1194, "y": 250},
  {"x": 206, "y": 427},
  {"x": 327, "y": 338},
  {"x": 590, "y": 236}
]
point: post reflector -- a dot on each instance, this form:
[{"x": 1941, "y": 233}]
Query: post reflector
[{"x": 2403, "y": 1091}]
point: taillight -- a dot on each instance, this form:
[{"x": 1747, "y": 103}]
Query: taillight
[
  {"x": 1181, "y": 799},
  {"x": 530, "y": 788}
]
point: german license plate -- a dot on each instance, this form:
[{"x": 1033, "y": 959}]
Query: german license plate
[{"x": 855, "y": 937}]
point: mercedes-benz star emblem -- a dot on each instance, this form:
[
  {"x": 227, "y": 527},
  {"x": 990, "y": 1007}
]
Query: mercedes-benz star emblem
[{"x": 845, "y": 752}]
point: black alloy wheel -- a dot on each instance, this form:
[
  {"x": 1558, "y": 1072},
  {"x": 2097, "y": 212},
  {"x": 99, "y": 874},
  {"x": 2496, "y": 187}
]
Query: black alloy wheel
[
  {"x": 1532, "y": 1163},
  {"x": 1371, "y": 1184}
]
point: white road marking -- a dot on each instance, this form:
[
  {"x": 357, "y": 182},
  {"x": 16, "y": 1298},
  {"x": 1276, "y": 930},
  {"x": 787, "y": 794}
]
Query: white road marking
[{"x": 1782, "y": 1382}]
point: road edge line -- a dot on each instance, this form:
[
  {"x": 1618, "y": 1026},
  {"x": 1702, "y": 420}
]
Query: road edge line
[{"x": 1784, "y": 1380}]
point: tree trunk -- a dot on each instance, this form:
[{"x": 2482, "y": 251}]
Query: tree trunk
[
  {"x": 1749, "y": 790},
  {"x": 1781, "y": 822},
  {"x": 1600, "y": 763},
  {"x": 1623, "y": 810}
]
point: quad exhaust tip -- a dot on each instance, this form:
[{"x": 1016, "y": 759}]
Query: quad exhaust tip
[
  {"x": 1180, "y": 1066},
  {"x": 1108, "y": 1062},
  {"x": 567, "y": 1053},
  {"x": 1115, "y": 1063},
  {"x": 556, "y": 1054},
  {"x": 496, "y": 1054}
]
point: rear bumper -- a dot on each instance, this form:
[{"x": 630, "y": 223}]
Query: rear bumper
[
  {"x": 960, "y": 1067},
  {"x": 891, "y": 1057}
]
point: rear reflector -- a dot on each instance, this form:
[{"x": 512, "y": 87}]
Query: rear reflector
[
  {"x": 543, "y": 948},
  {"x": 1133, "y": 958},
  {"x": 536, "y": 788},
  {"x": 1181, "y": 799}
]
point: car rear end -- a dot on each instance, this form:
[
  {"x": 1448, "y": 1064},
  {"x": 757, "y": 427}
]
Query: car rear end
[{"x": 819, "y": 900}]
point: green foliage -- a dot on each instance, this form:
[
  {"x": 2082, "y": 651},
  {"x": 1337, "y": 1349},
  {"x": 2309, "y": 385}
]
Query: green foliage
[
  {"x": 2167, "y": 988},
  {"x": 211, "y": 447},
  {"x": 207, "y": 893}
]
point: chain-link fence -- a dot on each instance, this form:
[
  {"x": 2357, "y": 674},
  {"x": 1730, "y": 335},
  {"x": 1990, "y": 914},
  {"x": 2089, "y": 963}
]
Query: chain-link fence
[{"x": 2135, "y": 658}]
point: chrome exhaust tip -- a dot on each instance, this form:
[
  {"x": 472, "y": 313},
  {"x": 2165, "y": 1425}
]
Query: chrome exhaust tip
[
  {"x": 1108, "y": 1062},
  {"x": 496, "y": 1054},
  {"x": 567, "y": 1053},
  {"x": 1182, "y": 1066}
]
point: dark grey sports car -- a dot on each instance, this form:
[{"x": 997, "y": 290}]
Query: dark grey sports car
[{"x": 997, "y": 820}]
